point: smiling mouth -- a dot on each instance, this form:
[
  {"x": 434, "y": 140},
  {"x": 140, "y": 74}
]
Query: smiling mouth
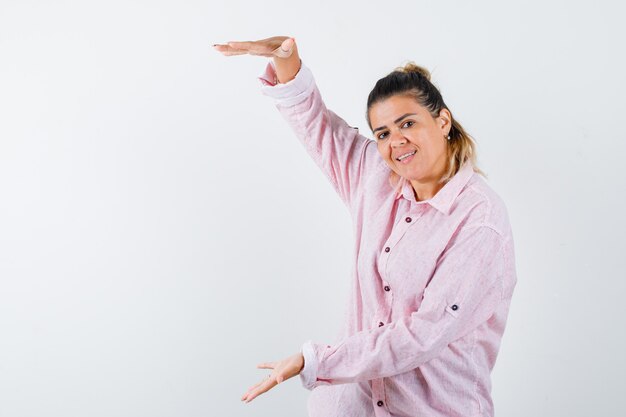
[{"x": 406, "y": 155}]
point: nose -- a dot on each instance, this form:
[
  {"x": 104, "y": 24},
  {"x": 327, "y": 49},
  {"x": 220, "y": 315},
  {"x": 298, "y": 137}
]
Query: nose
[{"x": 397, "y": 139}]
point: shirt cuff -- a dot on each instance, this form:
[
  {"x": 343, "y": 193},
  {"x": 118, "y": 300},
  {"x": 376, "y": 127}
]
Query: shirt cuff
[
  {"x": 308, "y": 375},
  {"x": 290, "y": 93}
]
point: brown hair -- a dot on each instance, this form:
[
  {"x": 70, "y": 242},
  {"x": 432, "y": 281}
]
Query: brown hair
[{"x": 414, "y": 81}]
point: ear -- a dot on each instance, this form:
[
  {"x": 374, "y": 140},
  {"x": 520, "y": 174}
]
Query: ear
[{"x": 445, "y": 121}]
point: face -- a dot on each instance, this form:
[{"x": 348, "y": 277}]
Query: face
[{"x": 401, "y": 126}]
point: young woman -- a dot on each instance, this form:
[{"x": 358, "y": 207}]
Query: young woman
[{"x": 434, "y": 271}]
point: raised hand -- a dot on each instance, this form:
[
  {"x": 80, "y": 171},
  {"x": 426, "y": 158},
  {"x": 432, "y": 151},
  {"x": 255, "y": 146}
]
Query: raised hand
[
  {"x": 276, "y": 46},
  {"x": 282, "y": 49}
]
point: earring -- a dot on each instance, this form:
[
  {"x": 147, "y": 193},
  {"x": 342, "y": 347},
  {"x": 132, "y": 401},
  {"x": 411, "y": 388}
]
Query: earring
[{"x": 448, "y": 137}]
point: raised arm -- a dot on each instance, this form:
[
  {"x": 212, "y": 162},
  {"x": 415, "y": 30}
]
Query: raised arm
[{"x": 345, "y": 156}]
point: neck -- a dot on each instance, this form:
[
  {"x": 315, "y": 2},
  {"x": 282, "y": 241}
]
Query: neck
[{"x": 426, "y": 190}]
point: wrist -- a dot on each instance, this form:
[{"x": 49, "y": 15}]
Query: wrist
[
  {"x": 301, "y": 362},
  {"x": 287, "y": 68}
]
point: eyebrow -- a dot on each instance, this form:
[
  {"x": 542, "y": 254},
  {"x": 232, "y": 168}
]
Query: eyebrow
[{"x": 395, "y": 121}]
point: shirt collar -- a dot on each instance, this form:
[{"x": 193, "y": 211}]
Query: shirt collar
[{"x": 446, "y": 196}]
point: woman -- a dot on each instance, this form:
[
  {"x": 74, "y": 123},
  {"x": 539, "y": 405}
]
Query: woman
[{"x": 434, "y": 271}]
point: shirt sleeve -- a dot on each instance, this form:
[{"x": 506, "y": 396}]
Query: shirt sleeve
[
  {"x": 338, "y": 149},
  {"x": 464, "y": 291}
]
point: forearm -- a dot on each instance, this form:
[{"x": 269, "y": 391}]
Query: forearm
[{"x": 336, "y": 147}]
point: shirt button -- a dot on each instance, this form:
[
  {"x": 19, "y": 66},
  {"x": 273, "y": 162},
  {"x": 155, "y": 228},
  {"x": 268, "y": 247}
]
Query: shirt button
[
  {"x": 380, "y": 403},
  {"x": 408, "y": 220},
  {"x": 387, "y": 288},
  {"x": 455, "y": 307},
  {"x": 387, "y": 249},
  {"x": 380, "y": 324}
]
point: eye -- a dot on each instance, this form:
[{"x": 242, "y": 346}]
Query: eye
[
  {"x": 408, "y": 121},
  {"x": 381, "y": 136}
]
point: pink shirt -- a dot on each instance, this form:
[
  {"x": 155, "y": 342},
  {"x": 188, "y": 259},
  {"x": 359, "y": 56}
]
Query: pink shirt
[{"x": 432, "y": 280}]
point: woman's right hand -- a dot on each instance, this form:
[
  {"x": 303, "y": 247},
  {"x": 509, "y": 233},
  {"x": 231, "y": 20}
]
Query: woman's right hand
[{"x": 282, "y": 49}]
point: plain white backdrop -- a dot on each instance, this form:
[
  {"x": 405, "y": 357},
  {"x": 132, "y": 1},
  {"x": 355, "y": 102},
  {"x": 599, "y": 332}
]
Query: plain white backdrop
[{"x": 162, "y": 231}]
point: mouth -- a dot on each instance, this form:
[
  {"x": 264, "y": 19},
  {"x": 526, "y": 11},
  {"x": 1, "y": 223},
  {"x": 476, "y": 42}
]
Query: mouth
[{"x": 406, "y": 158}]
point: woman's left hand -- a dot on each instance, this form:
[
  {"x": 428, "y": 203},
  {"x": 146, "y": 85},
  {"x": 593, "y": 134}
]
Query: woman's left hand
[{"x": 282, "y": 371}]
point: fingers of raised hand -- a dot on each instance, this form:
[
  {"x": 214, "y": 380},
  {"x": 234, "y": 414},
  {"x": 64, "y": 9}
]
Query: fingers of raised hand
[
  {"x": 241, "y": 45},
  {"x": 264, "y": 47},
  {"x": 229, "y": 50},
  {"x": 252, "y": 48}
]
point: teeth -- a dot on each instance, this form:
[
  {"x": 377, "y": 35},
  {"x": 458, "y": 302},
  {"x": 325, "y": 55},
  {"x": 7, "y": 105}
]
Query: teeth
[{"x": 401, "y": 157}]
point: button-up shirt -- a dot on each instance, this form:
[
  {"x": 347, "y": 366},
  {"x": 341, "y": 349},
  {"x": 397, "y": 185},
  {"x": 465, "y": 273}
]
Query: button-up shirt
[{"x": 432, "y": 280}]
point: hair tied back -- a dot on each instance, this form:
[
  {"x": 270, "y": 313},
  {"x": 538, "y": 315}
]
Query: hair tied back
[{"x": 412, "y": 67}]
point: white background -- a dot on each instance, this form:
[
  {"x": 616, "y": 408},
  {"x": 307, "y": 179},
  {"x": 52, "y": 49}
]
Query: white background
[{"x": 162, "y": 231}]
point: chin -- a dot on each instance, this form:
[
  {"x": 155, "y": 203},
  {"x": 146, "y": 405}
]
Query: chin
[{"x": 414, "y": 175}]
